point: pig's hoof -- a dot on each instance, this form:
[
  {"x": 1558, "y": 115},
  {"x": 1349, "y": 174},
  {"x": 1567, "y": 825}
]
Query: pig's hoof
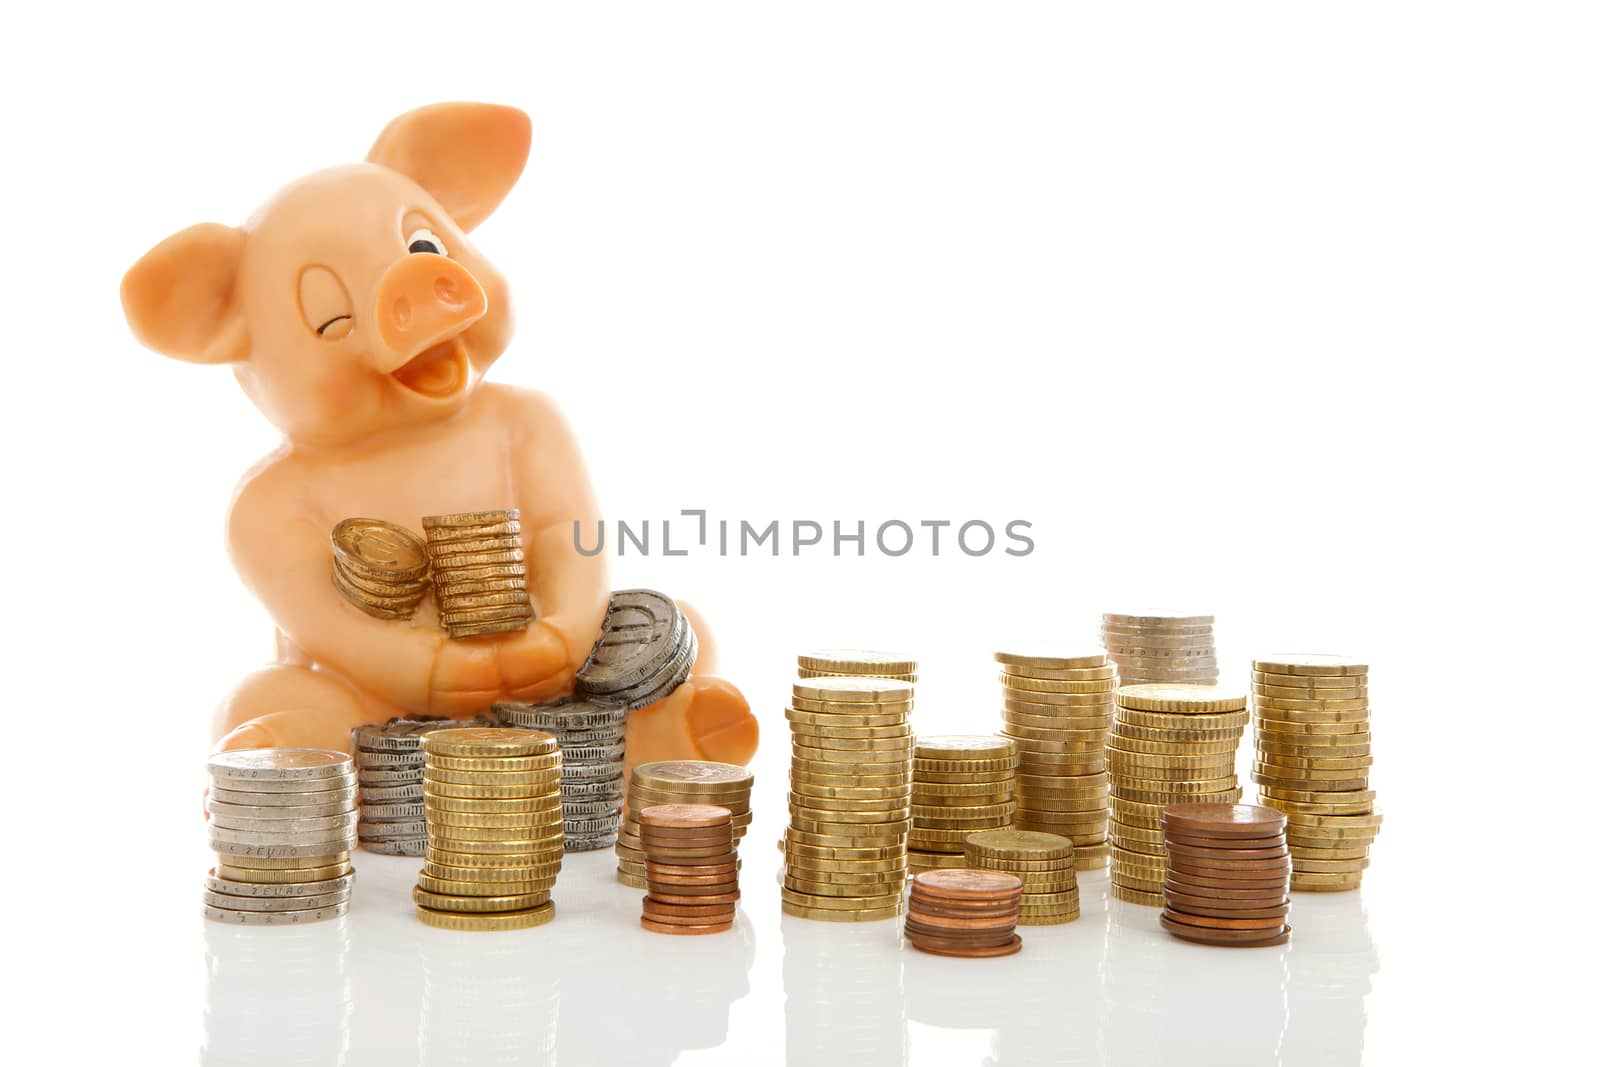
[{"x": 719, "y": 722}]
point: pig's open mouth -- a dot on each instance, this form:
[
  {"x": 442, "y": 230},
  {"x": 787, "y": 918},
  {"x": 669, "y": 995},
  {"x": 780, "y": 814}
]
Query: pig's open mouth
[{"x": 437, "y": 372}]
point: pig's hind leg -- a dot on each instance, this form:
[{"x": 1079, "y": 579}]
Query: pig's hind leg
[{"x": 294, "y": 706}]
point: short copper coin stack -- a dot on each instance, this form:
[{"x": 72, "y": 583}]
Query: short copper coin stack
[
  {"x": 379, "y": 567},
  {"x": 959, "y": 784},
  {"x": 1313, "y": 756},
  {"x": 1172, "y": 744},
  {"x": 480, "y": 578},
  {"x": 1227, "y": 874},
  {"x": 1057, "y": 708},
  {"x": 492, "y": 796},
  {"x": 679, "y": 782},
  {"x": 1044, "y": 862},
  {"x": 691, "y": 869},
  {"x": 1161, "y": 646},
  {"x": 964, "y": 912}
]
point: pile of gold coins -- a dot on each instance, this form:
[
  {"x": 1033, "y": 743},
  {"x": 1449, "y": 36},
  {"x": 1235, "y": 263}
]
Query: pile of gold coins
[
  {"x": 679, "y": 782},
  {"x": 479, "y": 576},
  {"x": 849, "y": 798},
  {"x": 1045, "y": 864},
  {"x": 1161, "y": 647},
  {"x": 379, "y": 567},
  {"x": 858, "y": 663},
  {"x": 1171, "y": 744},
  {"x": 493, "y": 802},
  {"x": 959, "y": 784},
  {"x": 1313, "y": 757},
  {"x": 1057, "y": 708}
]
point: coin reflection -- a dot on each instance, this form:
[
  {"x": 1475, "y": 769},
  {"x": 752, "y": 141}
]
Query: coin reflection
[
  {"x": 844, "y": 995},
  {"x": 1332, "y": 959},
  {"x": 486, "y": 998},
  {"x": 277, "y": 995}
]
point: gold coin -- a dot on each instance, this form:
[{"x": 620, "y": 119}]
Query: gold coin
[
  {"x": 898, "y": 707},
  {"x": 1062, "y": 674},
  {"x": 531, "y": 779},
  {"x": 836, "y": 776},
  {"x": 1136, "y": 896},
  {"x": 1121, "y": 832},
  {"x": 1086, "y": 736},
  {"x": 858, "y": 661},
  {"x": 1310, "y": 866},
  {"x": 516, "y": 920},
  {"x": 1125, "y": 758},
  {"x": 1276, "y": 752},
  {"x": 795, "y": 848},
  {"x": 483, "y": 764},
  {"x": 919, "y": 860},
  {"x": 996, "y": 778},
  {"x": 544, "y": 802},
  {"x": 1315, "y": 773},
  {"x": 1308, "y": 664},
  {"x": 821, "y": 866},
  {"x": 923, "y": 823},
  {"x": 1156, "y": 720},
  {"x": 832, "y": 915},
  {"x": 805, "y": 900},
  {"x": 1290, "y": 692},
  {"x": 1173, "y": 748},
  {"x": 1312, "y": 682},
  {"x": 834, "y": 804},
  {"x": 1290, "y": 807},
  {"x": 296, "y": 863},
  {"x": 1053, "y": 898},
  {"x": 459, "y": 903},
  {"x": 499, "y": 875},
  {"x": 966, "y": 747},
  {"x": 1055, "y": 685},
  {"x": 815, "y": 722},
  {"x": 448, "y": 887},
  {"x": 1046, "y": 918},
  {"x": 1081, "y": 784},
  {"x": 957, "y": 792},
  {"x": 1346, "y": 852},
  {"x": 380, "y": 549},
  {"x": 1202, "y": 699},
  {"x": 1037, "y": 703},
  {"x": 282, "y": 875},
  {"x": 550, "y": 851},
  {"x": 1161, "y": 777},
  {"x": 843, "y": 890},
  {"x": 825, "y": 762},
  {"x": 1020, "y": 845},
  {"x": 1055, "y": 658},
  {"x": 546, "y": 815},
  {"x": 1301, "y": 796},
  {"x": 1091, "y": 857},
  {"x": 1359, "y": 729},
  {"x": 1047, "y": 727},
  {"x": 436, "y": 788},
  {"x": 964, "y": 766},
  {"x": 896, "y": 813},
  {"x": 1209, "y": 794},
  {"x": 880, "y": 750},
  {"x": 852, "y": 690},
  {"x": 493, "y": 839},
  {"x": 1265, "y": 704},
  {"x": 1324, "y": 883},
  {"x": 1289, "y": 764},
  {"x": 444, "y": 525},
  {"x": 843, "y": 797}
]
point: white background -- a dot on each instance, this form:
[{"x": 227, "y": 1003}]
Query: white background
[{"x": 1285, "y": 312}]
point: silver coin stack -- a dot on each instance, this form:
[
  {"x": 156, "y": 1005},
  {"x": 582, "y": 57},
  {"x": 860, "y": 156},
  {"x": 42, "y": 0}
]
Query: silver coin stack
[
  {"x": 1161, "y": 647},
  {"x": 389, "y": 771},
  {"x": 283, "y": 822},
  {"x": 590, "y": 736},
  {"x": 646, "y": 650}
]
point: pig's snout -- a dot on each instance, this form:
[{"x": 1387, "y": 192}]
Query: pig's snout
[{"x": 424, "y": 299}]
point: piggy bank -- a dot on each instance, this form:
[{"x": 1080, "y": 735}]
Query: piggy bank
[{"x": 360, "y": 320}]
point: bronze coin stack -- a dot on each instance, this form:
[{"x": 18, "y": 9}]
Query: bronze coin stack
[
  {"x": 959, "y": 784},
  {"x": 1057, "y": 708},
  {"x": 379, "y": 567},
  {"x": 964, "y": 913},
  {"x": 1313, "y": 756},
  {"x": 1171, "y": 744},
  {"x": 691, "y": 869},
  {"x": 1227, "y": 874},
  {"x": 1161, "y": 646},
  {"x": 1045, "y": 864},
  {"x": 679, "y": 782},
  {"x": 480, "y": 578}
]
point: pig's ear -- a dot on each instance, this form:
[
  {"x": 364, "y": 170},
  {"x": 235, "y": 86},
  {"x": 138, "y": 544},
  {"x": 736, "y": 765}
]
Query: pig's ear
[
  {"x": 467, "y": 156},
  {"x": 179, "y": 297}
]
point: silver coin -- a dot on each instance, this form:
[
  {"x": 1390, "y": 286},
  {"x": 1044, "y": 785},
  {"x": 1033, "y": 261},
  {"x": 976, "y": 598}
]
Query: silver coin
[
  {"x": 571, "y": 808},
  {"x": 575, "y": 738},
  {"x": 391, "y": 794},
  {"x": 278, "y": 764},
  {"x": 278, "y": 889},
  {"x": 680, "y": 669},
  {"x": 389, "y": 776},
  {"x": 228, "y": 812},
  {"x": 588, "y": 842},
  {"x": 405, "y": 735},
  {"x": 582, "y": 827},
  {"x": 566, "y": 713},
  {"x": 603, "y": 772},
  {"x": 268, "y": 785},
  {"x": 380, "y": 830},
  {"x": 597, "y": 790},
  {"x": 282, "y": 852},
  {"x": 640, "y": 633},
  {"x": 389, "y": 812},
  {"x": 276, "y": 918},
  {"x": 295, "y": 827},
  {"x": 284, "y": 800},
  {"x": 591, "y": 754},
  {"x": 388, "y": 760},
  {"x": 403, "y": 846},
  {"x": 232, "y": 903}
]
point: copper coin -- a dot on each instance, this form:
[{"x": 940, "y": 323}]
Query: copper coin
[
  {"x": 696, "y": 870},
  {"x": 1223, "y": 869},
  {"x": 660, "y": 886},
  {"x": 946, "y": 923},
  {"x": 924, "y": 906},
  {"x": 964, "y": 883},
  {"x": 1271, "y": 852},
  {"x": 1245, "y": 895},
  {"x": 1010, "y": 948},
  {"x": 1227, "y": 879},
  {"x": 1275, "y": 935},
  {"x": 685, "y": 816},
  {"x": 651, "y": 841},
  {"x": 667, "y": 928},
  {"x": 684, "y": 833},
  {"x": 725, "y": 915},
  {"x": 731, "y": 878},
  {"x": 656, "y": 908},
  {"x": 959, "y": 939},
  {"x": 1223, "y": 820},
  {"x": 1195, "y": 841},
  {"x": 1177, "y": 902},
  {"x": 694, "y": 898},
  {"x": 1212, "y": 922},
  {"x": 690, "y": 857}
]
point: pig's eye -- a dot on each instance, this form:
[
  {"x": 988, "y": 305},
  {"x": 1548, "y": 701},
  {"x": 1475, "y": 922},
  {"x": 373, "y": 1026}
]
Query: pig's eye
[{"x": 425, "y": 241}]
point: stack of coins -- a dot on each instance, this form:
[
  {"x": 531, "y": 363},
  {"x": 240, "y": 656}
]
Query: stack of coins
[
  {"x": 590, "y": 737},
  {"x": 691, "y": 869},
  {"x": 964, "y": 912},
  {"x": 379, "y": 567},
  {"x": 479, "y": 577},
  {"x": 645, "y": 651},
  {"x": 1045, "y": 864},
  {"x": 389, "y": 771},
  {"x": 1057, "y": 707},
  {"x": 849, "y": 799},
  {"x": 1171, "y": 744},
  {"x": 1313, "y": 755},
  {"x": 1227, "y": 874},
  {"x": 857, "y": 663},
  {"x": 283, "y": 822},
  {"x": 959, "y": 784},
  {"x": 1161, "y": 647},
  {"x": 493, "y": 803},
  {"x": 679, "y": 782}
]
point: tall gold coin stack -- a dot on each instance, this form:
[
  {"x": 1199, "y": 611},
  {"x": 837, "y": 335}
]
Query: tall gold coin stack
[
  {"x": 1171, "y": 744},
  {"x": 857, "y": 663},
  {"x": 1057, "y": 707},
  {"x": 1161, "y": 647},
  {"x": 1045, "y": 864},
  {"x": 493, "y": 802},
  {"x": 679, "y": 782},
  {"x": 379, "y": 567},
  {"x": 849, "y": 799},
  {"x": 479, "y": 576},
  {"x": 959, "y": 784},
  {"x": 1313, "y": 756}
]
